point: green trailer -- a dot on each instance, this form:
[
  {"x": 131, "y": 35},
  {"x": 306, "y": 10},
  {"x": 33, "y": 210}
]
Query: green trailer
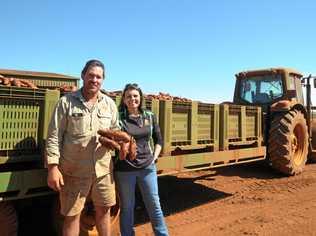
[
  {"x": 200, "y": 135},
  {"x": 24, "y": 117},
  {"x": 196, "y": 136}
]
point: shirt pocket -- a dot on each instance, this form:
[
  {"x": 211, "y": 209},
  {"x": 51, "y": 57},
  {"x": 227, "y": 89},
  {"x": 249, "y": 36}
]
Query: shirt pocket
[
  {"x": 78, "y": 125},
  {"x": 104, "y": 119}
]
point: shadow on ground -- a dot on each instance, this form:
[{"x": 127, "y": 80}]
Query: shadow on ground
[
  {"x": 257, "y": 170},
  {"x": 178, "y": 194},
  {"x": 35, "y": 218}
]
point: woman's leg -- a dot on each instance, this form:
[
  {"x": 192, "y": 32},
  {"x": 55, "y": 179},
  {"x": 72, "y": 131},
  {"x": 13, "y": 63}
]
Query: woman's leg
[
  {"x": 147, "y": 180},
  {"x": 125, "y": 182}
]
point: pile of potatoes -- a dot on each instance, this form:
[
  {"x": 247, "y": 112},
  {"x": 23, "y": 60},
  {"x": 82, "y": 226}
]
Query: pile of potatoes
[
  {"x": 159, "y": 96},
  {"x": 9, "y": 81}
]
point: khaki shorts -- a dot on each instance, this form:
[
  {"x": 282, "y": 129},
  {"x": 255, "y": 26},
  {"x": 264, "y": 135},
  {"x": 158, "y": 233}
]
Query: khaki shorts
[{"x": 76, "y": 190}]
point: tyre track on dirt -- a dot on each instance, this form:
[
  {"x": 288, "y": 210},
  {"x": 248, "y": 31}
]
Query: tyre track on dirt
[{"x": 253, "y": 208}]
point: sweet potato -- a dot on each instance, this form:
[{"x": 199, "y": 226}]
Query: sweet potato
[
  {"x": 132, "y": 149},
  {"x": 28, "y": 84},
  {"x": 16, "y": 82},
  {"x": 6, "y": 81},
  {"x": 124, "y": 150},
  {"x": 116, "y": 135},
  {"x": 109, "y": 143},
  {"x": 127, "y": 144}
]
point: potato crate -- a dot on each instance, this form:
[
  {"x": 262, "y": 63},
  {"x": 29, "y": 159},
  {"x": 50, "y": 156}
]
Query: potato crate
[
  {"x": 208, "y": 125},
  {"x": 42, "y": 79},
  {"x": 240, "y": 126},
  {"x": 188, "y": 127},
  {"x": 24, "y": 117},
  {"x": 116, "y": 99},
  {"x": 152, "y": 105}
]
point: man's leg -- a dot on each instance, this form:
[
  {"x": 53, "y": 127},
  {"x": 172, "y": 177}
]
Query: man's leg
[
  {"x": 72, "y": 198},
  {"x": 71, "y": 225},
  {"x": 103, "y": 197},
  {"x": 103, "y": 220}
]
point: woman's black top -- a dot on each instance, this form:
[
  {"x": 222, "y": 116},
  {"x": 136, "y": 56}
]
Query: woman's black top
[{"x": 142, "y": 128}]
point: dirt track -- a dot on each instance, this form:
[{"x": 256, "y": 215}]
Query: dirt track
[{"x": 237, "y": 200}]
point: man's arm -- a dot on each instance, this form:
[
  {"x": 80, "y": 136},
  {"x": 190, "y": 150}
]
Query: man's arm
[
  {"x": 115, "y": 124},
  {"x": 54, "y": 144},
  {"x": 55, "y": 179}
]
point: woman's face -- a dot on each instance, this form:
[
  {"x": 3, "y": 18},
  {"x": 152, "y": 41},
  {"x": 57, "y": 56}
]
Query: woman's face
[{"x": 132, "y": 99}]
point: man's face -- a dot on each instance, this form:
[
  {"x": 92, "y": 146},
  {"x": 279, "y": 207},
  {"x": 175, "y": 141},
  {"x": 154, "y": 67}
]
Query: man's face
[{"x": 92, "y": 80}]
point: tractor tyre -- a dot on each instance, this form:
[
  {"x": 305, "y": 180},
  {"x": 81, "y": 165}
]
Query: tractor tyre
[
  {"x": 8, "y": 220},
  {"x": 288, "y": 142}
]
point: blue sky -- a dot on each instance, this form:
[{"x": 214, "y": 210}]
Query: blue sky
[{"x": 188, "y": 48}]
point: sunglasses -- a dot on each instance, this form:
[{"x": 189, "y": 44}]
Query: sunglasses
[{"x": 132, "y": 85}]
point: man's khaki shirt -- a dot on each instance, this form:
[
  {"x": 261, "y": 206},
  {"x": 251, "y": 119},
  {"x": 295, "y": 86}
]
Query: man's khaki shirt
[{"x": 72, "y": 140}]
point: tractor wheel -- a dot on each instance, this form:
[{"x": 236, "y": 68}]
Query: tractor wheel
[
  {"x": 288, "y": 143},
  {"x": 8, "y": 220}
]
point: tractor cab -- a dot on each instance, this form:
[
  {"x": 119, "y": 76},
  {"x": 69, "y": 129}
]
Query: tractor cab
[
  {"x": 289, "y": 125},
  {"x": 267, "y": 87}
]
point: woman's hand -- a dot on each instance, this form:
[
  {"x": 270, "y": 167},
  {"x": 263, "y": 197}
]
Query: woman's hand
[{"x": 157, "y": 151}]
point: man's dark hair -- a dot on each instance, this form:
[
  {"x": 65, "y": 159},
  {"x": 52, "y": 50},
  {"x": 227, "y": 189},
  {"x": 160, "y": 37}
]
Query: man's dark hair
[{"x": 92, "y": 63}]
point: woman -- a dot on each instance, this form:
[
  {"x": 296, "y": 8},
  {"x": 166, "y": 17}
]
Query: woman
[{"x": 142, "y": 125}]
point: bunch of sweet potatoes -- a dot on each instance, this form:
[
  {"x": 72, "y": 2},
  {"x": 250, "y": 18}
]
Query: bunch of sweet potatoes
[{"x": 119, "y": 140}]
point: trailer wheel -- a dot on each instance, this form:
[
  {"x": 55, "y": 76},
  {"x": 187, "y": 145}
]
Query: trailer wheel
[
  {"x": 288, "y": 143},
  {"x": 8, "y": 220}
]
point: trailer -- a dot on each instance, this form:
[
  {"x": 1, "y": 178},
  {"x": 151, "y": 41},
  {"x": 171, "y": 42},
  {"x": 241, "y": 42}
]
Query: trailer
[
  {"x": 24, "y": 117},
  {"x": 196, "y": 135}
]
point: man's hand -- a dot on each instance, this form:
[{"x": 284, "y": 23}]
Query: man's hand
[{"x": 55, "y": 179}]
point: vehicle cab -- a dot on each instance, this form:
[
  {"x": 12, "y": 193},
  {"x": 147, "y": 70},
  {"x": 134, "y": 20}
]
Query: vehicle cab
[{"x": 268, "y": 87}]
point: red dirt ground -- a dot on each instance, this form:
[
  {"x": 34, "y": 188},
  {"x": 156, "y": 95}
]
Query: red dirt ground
[{"x": 238, "y": 200}]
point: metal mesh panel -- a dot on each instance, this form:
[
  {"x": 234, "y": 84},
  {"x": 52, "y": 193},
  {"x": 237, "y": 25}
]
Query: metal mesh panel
[
  {"x": 181, "y": 123},
  {"x": 19, "y": 120},
  {"x": 205, "y": 123}
]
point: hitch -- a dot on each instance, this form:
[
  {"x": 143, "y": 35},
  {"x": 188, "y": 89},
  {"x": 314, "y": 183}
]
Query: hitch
[{"x": 305, "y": 81}]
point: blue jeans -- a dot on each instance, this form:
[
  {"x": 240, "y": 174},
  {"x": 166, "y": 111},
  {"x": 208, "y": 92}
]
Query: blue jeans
[{"x": 147, "y": 180}]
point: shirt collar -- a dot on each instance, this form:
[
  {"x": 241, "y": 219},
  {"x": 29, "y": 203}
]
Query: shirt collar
[{"x": 78, "y": 94}]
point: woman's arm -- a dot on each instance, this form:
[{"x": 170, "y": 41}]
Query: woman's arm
[
  {"x": 157, "y": 138},
  {"x": 157, "y": 150}
]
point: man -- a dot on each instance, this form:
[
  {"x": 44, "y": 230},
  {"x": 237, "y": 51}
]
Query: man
[{"x": 78, "y": 166}]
